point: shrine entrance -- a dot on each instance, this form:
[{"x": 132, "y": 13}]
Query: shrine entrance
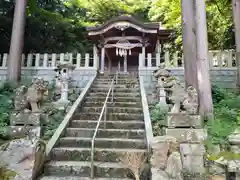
[{"x": 119, "y": 42}]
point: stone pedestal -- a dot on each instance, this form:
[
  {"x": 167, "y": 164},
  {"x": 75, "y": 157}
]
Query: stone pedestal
[
  {"x": 187, "y": 130},
  {"x": 22, "y": 124}
]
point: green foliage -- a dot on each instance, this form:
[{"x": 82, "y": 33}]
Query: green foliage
[
  {"x": 158, "y": 114},
  {"x": 227, "y": 117},
  {"x": 6, "y": 106},
  {"x": 219, "y": 21}
]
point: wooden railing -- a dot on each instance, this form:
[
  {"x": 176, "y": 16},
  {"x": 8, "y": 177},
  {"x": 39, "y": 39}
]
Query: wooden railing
[
  {"x": 224, "y": 59},
  {"x": 103, "y": 112},
  {"x": 51, "y": 60}
]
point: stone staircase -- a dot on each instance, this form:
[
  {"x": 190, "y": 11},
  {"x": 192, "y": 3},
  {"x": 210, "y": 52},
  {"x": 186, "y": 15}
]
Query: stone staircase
[{"x": 125, "y": 132}]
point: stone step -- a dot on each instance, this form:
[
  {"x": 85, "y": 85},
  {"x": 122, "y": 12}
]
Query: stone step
[
  {"x": 119, "y": 81},
  {"x": 82, "y": 169},
  {"x": 113, "y": 109},
  {"x": 108, "y": 124},
  {"x": 116, "y": 94},
  {"x": 119, "y": 77},
  {"x": 104, "y": 133},
  {"x": 77, "y": 178},
  {"x": 115, "y": 99},
  {"x": 118, "y": 90},
  {"x": 84, "y": 154},
  {"x": 99, "y": 85},
  {"x": 114, "y": 104},
  {"x": 102, "y": 143},
  {"x": 110, "y": 116},
  {"x": 119, "y": 84}
]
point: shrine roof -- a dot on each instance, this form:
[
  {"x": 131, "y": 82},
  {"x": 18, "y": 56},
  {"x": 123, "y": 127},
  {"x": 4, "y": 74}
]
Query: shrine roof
[{"x": 150, "y": 27}]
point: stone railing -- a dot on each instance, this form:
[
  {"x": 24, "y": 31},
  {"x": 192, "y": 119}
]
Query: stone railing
[
  {"x": 31, "y": 61},
  {"x": 43, "y": 65},
  {"x": 223, "y": 70},
  {"x": 217, "y": 58}
]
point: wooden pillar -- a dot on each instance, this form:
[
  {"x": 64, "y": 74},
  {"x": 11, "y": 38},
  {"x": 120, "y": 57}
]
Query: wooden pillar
[
  {"x": 143, "y": 55},
  {"x": 102, "y": 60},
  {"x": 125, "y": 64},
  {"x": 95, "y": 57}
]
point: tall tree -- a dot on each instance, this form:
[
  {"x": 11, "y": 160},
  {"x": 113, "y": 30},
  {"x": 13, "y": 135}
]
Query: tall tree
[
  {"x": 189, "y": 43},
  {"x": 16, "y": 47},
  {"x": 236, "y": 15},
  {"x": 204, "y": 84}
]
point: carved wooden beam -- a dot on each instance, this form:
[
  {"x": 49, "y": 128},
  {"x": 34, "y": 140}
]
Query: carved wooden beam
[{"x": 138, "y": 38}]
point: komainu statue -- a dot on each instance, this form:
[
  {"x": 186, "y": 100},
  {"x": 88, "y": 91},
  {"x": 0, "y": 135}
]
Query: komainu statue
[
  {"x": 29, "y": 98},
  {"x": 190, "y": 102}
]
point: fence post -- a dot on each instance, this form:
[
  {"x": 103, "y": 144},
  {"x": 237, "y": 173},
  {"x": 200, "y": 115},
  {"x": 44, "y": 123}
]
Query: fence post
[
  {"x": 5, "y": 58},
  {"x": 86, "y": 60},
  {"x": 54, "y": 60},
  {"x": 29, "y": 60},
  {"x": 229, "y": 59},
  {"x": 140, "y": 61},
  {"x": 167, "y": 59},
  {"x": 70, "y": 58},
  {"x": 23, "y": 59},
  {"x": 45, "y": 60},
  {"x": 149, "y": 60},
  {"x": 78, "y": 60},
  {"x": 37, "y": 60},
  {"x": 62, "y": 57},
  {"x": 210, "y": 58},
  {"x": 158, "y": 59},
  {"x": 175, "y": 59}
]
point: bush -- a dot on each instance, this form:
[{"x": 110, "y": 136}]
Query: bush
[
  {"x": 158, "y": 117},
  {"x": 226, "y": 113},
  {"x": 6, "y": 106}
]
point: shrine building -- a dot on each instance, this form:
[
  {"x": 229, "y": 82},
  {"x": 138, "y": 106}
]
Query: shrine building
[{"x": 121, "y": 40}]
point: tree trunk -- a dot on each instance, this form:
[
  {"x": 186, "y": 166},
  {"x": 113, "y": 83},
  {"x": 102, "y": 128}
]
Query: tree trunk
[
  {"x": 17, "y": 39},
  {"x": 204, "y": 84},
  {"x": 236, "y": 15},
  {"x": 189, "y": 43}
]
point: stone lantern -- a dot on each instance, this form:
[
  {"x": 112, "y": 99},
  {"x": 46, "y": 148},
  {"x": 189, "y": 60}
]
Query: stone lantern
[
  {"x": 63, "y": 76},
  {"x": 161, "y": 74}
]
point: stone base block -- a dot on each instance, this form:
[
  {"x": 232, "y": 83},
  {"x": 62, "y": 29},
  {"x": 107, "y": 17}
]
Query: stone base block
[
  {"x": 183, "y": 120},
  {"x": 25, "y": 119},
  {"x": 23, "y": 131},
  {"x": 192, "y": 157},
  {"x": 187, "y": 135}
]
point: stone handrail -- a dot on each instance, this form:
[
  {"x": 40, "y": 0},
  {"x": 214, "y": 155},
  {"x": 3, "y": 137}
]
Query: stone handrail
[
  {"x": 49, "y": 61},
  {"x": 68, "y": 117},
  {"x": 147, "y": 118}
]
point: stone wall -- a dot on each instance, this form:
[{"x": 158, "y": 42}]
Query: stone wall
[
  {"x": 221, "y": 76},
  {"x": 80, "y": 76}
]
